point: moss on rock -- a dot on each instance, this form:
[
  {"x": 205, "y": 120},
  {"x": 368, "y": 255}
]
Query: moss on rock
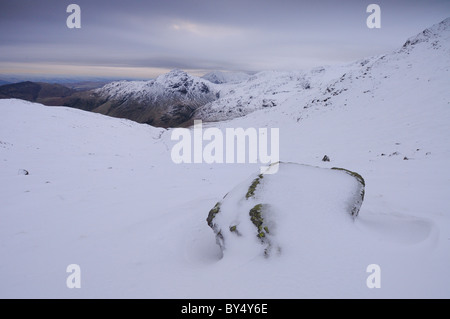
[
  {"x": 256, "y": 217},
  {"x": 212, "y": 213},
  {"x": 252, "y": 188},
  {"x": 354, "y": 174},
  {"x": 258, "y": 220}
]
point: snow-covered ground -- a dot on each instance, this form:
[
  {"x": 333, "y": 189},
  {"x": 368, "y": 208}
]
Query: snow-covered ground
[{"x": 105, "y": 194}]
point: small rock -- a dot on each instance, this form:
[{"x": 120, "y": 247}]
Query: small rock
[
  {"x": 23, "y": 172},
  {"x": 325, "y": 159},
  {"x": 394, "y": 154},
  {"x": 405, "y": 158}
]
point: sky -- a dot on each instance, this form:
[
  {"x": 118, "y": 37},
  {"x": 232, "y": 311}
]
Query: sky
[{"x": 142, "y": 39}]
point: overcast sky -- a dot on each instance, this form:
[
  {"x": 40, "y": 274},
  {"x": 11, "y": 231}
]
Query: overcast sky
[{"x": 137, "y": 38}]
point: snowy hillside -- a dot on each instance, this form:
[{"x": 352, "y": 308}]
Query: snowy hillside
[
  {"x": 238, "y": 94},
  {"x": 419, "y": 57},
  {"x": 259, "y": 217},
  {"x": 82, "y": 188}
]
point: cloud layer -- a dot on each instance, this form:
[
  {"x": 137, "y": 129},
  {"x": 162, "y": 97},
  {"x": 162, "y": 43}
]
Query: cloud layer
[{"x": 144, "y": 38}]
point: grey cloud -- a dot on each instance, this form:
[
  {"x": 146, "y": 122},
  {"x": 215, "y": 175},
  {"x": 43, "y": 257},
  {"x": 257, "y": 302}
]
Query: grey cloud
[{"x": 188, "y": 34}]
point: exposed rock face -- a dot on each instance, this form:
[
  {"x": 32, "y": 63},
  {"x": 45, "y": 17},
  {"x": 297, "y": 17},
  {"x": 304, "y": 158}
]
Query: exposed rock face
[
  {"x": 168, "y": 101},
  {"x": 263, "y": 211}
]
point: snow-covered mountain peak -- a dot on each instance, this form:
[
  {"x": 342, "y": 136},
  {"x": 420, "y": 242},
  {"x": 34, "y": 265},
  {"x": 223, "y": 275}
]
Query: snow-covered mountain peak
[
  {"x": 176, "y": 81},
  {"x": 169, "y": 100},
  {"x": 179, "y": 81},
  {"x": 172, "y": 76}
]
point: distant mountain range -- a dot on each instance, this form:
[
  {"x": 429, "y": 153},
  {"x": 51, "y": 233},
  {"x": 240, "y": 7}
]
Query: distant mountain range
[
  {"x": 167, "y": 101},
  {"x": 176, "y": 98}
]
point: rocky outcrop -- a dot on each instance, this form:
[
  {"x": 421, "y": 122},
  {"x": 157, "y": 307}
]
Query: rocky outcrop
[{"x": 260, "y": 210}]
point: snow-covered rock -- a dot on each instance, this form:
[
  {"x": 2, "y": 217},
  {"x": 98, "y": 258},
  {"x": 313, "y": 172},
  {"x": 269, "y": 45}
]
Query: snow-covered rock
[{"x": 267, "y": 211}]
